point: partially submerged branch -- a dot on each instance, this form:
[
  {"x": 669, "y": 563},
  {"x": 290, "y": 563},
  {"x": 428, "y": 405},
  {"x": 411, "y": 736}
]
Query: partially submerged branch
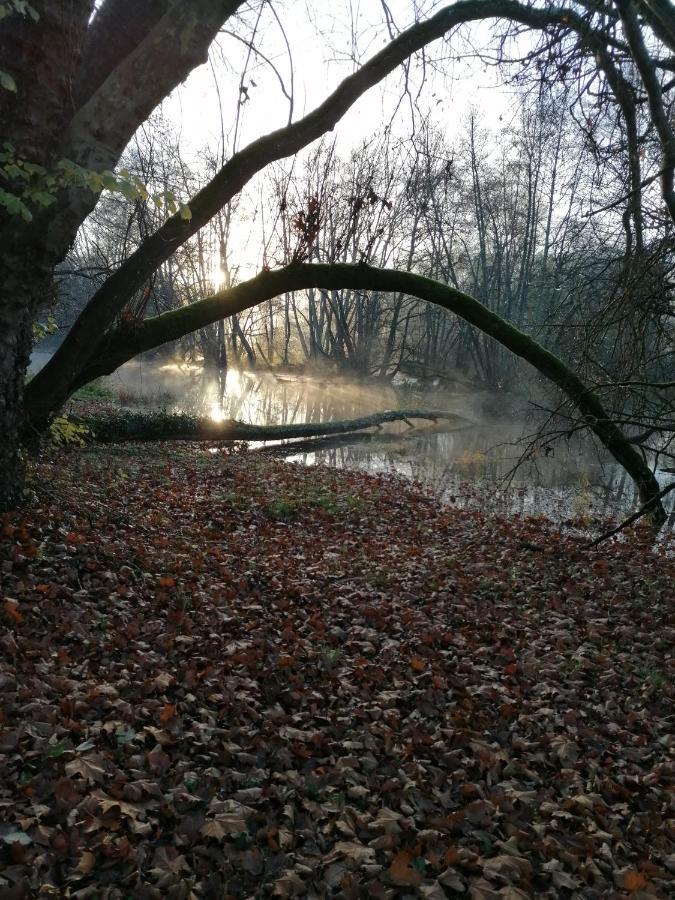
[
  {"x": 644, "y": 510},
  {"x": 131, "y": 426}
]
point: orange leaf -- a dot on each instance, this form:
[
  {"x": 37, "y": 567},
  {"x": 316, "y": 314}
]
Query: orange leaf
[
  {"x": 417, "y": 664},
  {"x": 167, "y": 581},
  {"x": 634, "y": 881},
  {"x": 451, "y": 856},
  {"x": 12, "y": 611},
  {"x": 167, "y": 713},
  {"x": 401, "y": 871}
]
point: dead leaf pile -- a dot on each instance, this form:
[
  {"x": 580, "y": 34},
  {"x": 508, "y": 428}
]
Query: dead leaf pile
[{"x": 224, "y": 676}]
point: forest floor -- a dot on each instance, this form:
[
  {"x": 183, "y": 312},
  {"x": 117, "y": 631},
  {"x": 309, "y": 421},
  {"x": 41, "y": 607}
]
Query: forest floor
[{"x": 227, "y": 676}]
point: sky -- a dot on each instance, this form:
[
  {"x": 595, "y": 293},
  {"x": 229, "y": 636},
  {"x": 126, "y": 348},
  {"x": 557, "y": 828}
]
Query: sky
[
  {"x": 320, "y": 57},
  {"x": 312, "y": 55}
]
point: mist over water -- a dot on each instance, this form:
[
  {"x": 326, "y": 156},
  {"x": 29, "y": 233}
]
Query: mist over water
[
  {"x": 474, "y": 463},
  {"x": 477, "y": 462}
]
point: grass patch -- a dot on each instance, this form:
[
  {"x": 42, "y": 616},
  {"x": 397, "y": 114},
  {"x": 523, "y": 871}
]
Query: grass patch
[{"x": 94, "y": 391}]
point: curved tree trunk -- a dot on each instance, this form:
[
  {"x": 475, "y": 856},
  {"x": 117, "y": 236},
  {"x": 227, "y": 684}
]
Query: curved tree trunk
[
  {"x": 124, "y": 345},
  {"x": 118, "y": 85}
]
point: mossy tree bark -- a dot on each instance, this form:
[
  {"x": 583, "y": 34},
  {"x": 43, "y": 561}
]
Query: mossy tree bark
[{"x": 131, "y": 426}]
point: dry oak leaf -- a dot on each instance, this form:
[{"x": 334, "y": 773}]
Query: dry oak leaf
[
  {"x": 352, "y": 851},
  {"x": 12, "y": 611},
  {"x": 213, "y": 829},
  {"x": 88, "y": 767},
  {"x": 229, "y": 817},
  {"x": 634, "y": 881},
  {"x": 451, "y": 879},
  {"x": 128, "y": 810},
  {"x": 167, "y": 713},
  {"x": 387, "y": 820},
  {"x": 158, "y": 760},
  {"x": 288, "y": 733},
  {"x": 289, "y": 885},
  {"x": 401, "y": 871},
  {"x": 480, "y": 889},
  {"x": 167, "y": 860},
  {"x": 9, "y": 741},
  {"x": 86, "y": 863},
  {"x": 480, "y": 812},
  {"x": 507, "y": 868},
  {"x": 253, "y": 861},
  {"x": 163, "y": 681},
  {"x": 433, "y": 891}
]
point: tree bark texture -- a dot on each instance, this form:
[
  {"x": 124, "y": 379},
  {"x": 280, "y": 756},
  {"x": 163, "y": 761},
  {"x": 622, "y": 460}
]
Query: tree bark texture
[{"x": 15, "y": 343}]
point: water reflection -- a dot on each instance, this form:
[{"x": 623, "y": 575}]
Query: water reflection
[
  {"x": 469, "y": 468},
  {"x": 477, "y": 463}
]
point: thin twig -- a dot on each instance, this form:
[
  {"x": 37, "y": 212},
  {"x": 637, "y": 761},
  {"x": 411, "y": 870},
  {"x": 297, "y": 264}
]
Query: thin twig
[{"x": 629, "y": 521}]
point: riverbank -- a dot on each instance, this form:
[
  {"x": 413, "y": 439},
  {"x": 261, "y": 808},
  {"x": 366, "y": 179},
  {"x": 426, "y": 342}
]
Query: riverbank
[{"x": 222, "y": 673}]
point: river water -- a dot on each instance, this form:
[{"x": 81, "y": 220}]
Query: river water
[{"x": 479, "y": 461}]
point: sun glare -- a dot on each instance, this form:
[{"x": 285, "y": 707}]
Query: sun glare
[
  {"x": 217, "y": 274},
  {"x": 217, "y": 414}
]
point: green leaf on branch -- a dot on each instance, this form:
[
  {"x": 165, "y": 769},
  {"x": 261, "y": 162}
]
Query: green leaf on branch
[
  {"x": 66, "y": 433},
  {"x": 15, "y": 205},
  {"x": 42, "y": 329},
  {"x": 109, "y": 181},
  {"x": 7, "y": 81},
  {"x": 35, "y": 185},
  {"x": 44, "y": 198}
]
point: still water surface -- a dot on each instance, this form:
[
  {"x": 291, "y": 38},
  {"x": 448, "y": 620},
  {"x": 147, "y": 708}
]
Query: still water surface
[{"x": 475, "y": 462}]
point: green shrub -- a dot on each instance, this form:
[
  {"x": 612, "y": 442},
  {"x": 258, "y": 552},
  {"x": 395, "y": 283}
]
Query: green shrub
[{"x": 65, "y": 433}]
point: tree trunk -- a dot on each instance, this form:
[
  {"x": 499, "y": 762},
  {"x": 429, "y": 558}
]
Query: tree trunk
[{"x": 15, "y": 343}]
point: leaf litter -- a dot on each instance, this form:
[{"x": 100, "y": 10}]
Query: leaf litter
[{"x": 227, "y": 676}]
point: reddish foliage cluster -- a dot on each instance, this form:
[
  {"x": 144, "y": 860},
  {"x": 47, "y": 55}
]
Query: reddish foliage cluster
[
  {"x": 230, "y": 677},
  {"x": 306, "y": 224}
]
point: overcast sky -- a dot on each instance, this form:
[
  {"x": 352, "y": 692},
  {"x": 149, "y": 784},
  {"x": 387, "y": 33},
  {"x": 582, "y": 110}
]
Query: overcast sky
[{"x": 322, "y": 53}]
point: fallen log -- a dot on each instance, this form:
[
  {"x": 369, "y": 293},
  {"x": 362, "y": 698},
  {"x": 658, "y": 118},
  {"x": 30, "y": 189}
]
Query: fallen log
[
  {"x": 124, "y": 425},
  {"x": 356, "y": 438}
]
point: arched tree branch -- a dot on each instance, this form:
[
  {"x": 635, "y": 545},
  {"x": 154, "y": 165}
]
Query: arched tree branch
[
  {"x": 51, "y": 386},
  {"x": 125, "y": 344}
]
